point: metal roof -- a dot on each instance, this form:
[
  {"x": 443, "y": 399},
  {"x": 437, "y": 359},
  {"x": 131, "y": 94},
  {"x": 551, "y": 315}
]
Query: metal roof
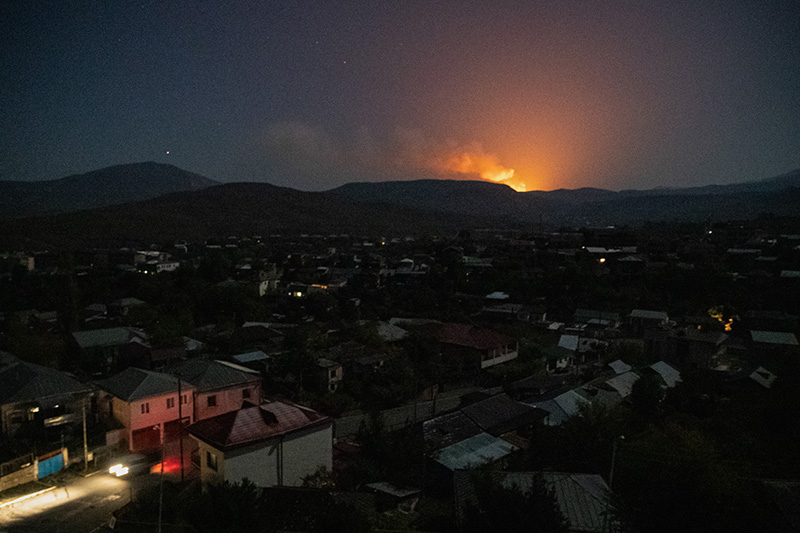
[
  {"x": 213, "y": 375},
  {"x": 562, "y": 406},
  {"x": 668, "y": 373},
  {"x": 107, "y": 337},
  {"x": 623, "y": 383},
  {"x": 774, "y": 337},
  {"x": 256, "y": 423},
  {"x": 619, "y": 366},
  {"x": 583, "y": 499},
  {"x": 249, "y": 357},
  {"x": 500, "y": 414},
  {"x": 27, "y": 382},
  {"x": 480, "y": 449},
  {"x": 134, "y": 384},
  {"x": 448, "y": 429}
]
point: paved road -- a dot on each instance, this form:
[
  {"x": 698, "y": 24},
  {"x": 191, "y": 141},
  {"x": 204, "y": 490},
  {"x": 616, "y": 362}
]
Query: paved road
[{"x": 80, "y": 505}]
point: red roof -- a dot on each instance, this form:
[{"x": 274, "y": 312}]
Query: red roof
[
  {"x": 471, "y": 336},
  {"x": 256, "y": 423}
]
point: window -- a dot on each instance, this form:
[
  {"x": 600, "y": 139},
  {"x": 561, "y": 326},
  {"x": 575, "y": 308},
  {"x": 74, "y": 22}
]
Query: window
[
  {"x": 184, "y": 400},
  {"x": 170, "y": 403},
  {"x": 211, "y": 461},
  {"x": 245, "y": 393},
  {"x": 145, "y": 407},
  {"x": 212, "y": 401}
]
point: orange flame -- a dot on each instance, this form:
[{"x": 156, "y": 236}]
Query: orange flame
[{"x": 484, "y": 165}]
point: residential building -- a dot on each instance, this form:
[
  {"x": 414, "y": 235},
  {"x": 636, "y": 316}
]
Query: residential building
[
  {"x": 219, "y": 386},
  {"x": 275, "y": 443},
  {"x": 145, "y": 404},
  {"x": 38, "y": 396},
  {"x": 484, "y": 348}
]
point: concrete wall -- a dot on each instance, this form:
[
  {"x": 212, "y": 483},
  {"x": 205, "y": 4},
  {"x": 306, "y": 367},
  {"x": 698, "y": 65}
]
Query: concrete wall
[
  {"x": 304, "y": 452},
  {"x": 159, "y": 412},
  {"x": 24, "y": 475},
  {"x": 298, "y": 454},
  {"x": 227, "y": 400}
]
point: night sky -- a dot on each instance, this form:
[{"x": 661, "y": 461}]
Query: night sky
[{"x": 311, "y": 95}]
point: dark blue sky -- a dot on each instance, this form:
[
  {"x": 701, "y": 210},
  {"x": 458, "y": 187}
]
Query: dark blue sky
[{"x": 615, "y": 94}]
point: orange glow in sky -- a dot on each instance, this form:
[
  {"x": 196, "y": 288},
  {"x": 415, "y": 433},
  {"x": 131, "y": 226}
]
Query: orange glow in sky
[{"x": 485, "y": 166}]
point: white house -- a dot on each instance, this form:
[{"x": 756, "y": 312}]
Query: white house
[{"x": 275, "y": 443}]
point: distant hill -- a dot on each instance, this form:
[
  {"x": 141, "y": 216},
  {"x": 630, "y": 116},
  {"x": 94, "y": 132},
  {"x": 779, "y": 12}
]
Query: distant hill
[
  {"x": 108, "y": 186},
  {"x": 385, "y": 208},
  {"x": 222, "y": 210},
  {"x": 586, "y": 206}
]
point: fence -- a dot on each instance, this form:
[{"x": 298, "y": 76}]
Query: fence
[{"x": 18, "y": 471}]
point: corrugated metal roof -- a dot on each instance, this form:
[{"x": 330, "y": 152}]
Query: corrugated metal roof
[
  {"x": 619, "y": 366},
  {"x": 774, "y": 337},
  {"x": 500, "y": 414},
  {"x": 582, "y": 498},
  {"x": 623, "y": 383},
  {"x": 477, "y": 450},
  {"x": 448, "y": 429},
  {"x": 668, "y": 373},
  {"x": 27, "y": 382},
  {"x": 107, "y": 337},
  {"x": 249, "y": 357},
  {"x": 212, "y": 375},
  {"x": 562, "y": 406}
]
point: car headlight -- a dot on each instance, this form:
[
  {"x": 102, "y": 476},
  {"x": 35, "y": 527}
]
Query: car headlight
[{"x": 118, "y": 470}]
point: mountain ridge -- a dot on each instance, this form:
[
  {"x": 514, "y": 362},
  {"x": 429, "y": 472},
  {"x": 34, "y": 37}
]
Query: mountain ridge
[
  {"x": 112, "y": 185},
  {"x": 389, "y": 208}
]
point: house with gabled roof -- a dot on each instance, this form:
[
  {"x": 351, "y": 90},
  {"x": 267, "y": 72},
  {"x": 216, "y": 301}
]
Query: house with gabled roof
[
  {"x": 274, "y": 443},
  {"x": 484, "y": 347},
  {"x": 37, "y": 395},
  {"x": 219, "y": 386},
  {"x": 111, "y": 349},
  {"x": 145, "y": 405}
]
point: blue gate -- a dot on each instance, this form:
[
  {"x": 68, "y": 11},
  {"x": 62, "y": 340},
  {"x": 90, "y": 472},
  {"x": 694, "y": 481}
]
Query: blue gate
[{"x": 51, "y": 465}]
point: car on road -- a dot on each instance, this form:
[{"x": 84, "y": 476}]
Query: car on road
[{"x": 130, "y": 465}]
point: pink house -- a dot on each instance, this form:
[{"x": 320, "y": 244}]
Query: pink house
[
  {"x": 146, "y": 405},
  {"x": 219, "y": 386}
]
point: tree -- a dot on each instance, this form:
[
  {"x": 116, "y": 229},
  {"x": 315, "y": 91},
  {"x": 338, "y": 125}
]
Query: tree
[
  {"x": 510, "y": 508},
  {"x": 646, "y": 395}
]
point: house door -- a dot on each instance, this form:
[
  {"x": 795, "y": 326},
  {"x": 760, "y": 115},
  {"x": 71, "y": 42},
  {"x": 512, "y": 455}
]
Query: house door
[{"x": 148, "y": 438}]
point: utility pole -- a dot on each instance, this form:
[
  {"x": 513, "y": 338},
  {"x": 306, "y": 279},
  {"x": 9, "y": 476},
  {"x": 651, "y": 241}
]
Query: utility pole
[
  {"x": 180, "y": 425},
  {"x": 161, "y": 479},
  {"x": 613, "y": 460},
  {"x": 607, "y": 518},
  {"x": 85, "y": 442}
]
